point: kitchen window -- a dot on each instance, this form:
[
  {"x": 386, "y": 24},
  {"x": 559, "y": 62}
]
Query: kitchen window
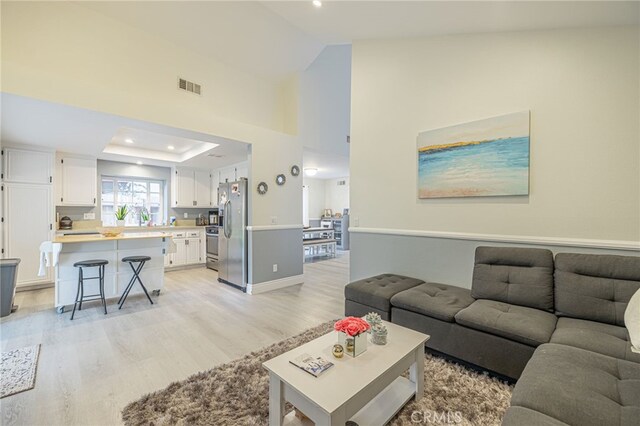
[{"x": 139, "y": 195}]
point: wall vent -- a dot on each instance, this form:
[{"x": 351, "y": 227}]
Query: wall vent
[
  {"x": 215, "y": 155},
  {"x": 189, "y": 86},
  {"x": 342, "y": 182}
]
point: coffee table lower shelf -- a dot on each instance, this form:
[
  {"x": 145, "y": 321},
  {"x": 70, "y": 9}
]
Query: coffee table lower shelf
[{"x": 378, "y": 411}]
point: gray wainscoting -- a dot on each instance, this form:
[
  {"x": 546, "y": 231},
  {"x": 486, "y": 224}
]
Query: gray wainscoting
[
  {"x": 447, "y": 261},
  {"x": 274, "y": 246}
]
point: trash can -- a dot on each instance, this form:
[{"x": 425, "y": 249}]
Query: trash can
[{"x": 8, "y": 277}]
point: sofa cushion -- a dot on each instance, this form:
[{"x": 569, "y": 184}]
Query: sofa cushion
[
  {"x": 435, "y": 300},
  {"x": 594, "y": 336},
  {"x": 377, "y": 291},
  {"x": 580, "y": 387},
  {"x": 519, "y": 276},
  {"x": 595, "y": 287},
  {"x": 525, "y": 325}
]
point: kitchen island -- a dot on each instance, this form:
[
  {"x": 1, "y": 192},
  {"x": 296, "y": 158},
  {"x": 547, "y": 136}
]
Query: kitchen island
[{"x": 74, "y": 248}]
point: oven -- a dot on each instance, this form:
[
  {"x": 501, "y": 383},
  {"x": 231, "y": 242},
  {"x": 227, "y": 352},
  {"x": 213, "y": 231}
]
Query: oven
[{"x": 212, "y": 247}]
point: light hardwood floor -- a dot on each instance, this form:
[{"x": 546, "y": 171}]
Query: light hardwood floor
[{"x": 91, "y": 367}]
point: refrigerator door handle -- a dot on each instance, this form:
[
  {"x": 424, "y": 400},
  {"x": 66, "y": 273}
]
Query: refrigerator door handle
[{"x": 227, "y": 219}]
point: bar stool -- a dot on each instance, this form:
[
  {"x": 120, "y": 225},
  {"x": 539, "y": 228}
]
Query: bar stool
[
  {"x": 80, "y": 297},
  {"x": 140, "y": 260}
]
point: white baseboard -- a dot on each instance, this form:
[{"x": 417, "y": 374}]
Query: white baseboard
[{"x": 275, "y": 284}]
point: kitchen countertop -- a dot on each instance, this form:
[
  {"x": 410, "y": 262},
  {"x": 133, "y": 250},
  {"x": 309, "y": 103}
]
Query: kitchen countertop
[
  {"x": 93, "y": 238},
  {"x": 131, "y": 229}
]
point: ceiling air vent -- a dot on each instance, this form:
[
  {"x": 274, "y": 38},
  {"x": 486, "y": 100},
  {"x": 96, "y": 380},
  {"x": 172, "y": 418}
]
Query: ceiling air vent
[
  {"x": 342, "y": 182},
  {"x": 215, "y": 155},
  {"x": 189, "y": 86}
]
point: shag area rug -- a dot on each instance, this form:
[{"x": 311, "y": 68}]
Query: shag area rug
[
  {"x": 237, "y": 393},
  {"x": 18, "y": 370}
]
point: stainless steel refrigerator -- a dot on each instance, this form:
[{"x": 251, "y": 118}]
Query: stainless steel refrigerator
[{"x": 232, "y": 240}]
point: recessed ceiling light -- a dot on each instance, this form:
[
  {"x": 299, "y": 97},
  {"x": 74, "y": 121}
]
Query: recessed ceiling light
[
  {"x": 317, "y": 3},
  {"x": 171, "y": 147},
  {"x": 128, "y": 140},
  {"x": 310, "y": 171},
  {"x": 139, "y": 163}
]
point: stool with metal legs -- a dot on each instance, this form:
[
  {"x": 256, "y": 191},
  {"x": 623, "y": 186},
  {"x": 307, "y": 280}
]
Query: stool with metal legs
[
  {"x": 80, "y": 297},
  {"x": 140, "y": 260}
]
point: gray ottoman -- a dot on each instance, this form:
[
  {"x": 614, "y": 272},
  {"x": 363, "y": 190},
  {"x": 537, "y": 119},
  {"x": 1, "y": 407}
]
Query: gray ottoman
[{"x": 374, "y": 294}]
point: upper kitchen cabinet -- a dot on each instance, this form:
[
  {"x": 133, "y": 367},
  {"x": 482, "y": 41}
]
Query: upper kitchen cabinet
[
  {"x": 191, "y": 188},
  {"x": 76, "y": 181},
  {"x": 202, "y": 180},
  {"x": 25, "y": 166},
  {"x": 233, "y": 173}
]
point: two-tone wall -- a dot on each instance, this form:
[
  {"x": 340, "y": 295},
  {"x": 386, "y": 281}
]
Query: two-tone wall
[{"x": 582, "y": 88}]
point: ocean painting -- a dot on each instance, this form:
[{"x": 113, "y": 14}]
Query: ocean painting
[{"x": 478, "y": 159}]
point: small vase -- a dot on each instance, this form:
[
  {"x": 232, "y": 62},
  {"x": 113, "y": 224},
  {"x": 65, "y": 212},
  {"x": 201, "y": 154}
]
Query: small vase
[
  {"x": 353, "y": 345},
  {"x": 119, "y": 222},
  {"x": 379, "y": 338}
]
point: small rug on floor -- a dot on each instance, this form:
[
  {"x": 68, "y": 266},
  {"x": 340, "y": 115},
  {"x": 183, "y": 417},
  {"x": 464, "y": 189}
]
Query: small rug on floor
[
  {"x": 237, "y": 393},
  {"x": 18, "y": 370}
]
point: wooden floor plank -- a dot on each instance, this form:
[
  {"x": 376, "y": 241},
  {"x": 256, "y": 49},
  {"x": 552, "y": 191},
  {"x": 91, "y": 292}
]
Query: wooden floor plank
[{"x": 91, "y": 367}]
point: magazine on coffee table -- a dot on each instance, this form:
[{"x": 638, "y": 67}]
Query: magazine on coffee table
[{"x": 315, "y": 365}]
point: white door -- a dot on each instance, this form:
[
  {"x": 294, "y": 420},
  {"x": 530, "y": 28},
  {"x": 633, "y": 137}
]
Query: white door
[
  {"x": 24, "y": 166},
  {"x": 184, "y": 194},
  {"x": 28, "y": 223},
  {"x": 203, "y": 188},
  {"x": 193, "y": 251},
  {"x": 78, "y": 181},
  {"x": 180, "y": 256}
]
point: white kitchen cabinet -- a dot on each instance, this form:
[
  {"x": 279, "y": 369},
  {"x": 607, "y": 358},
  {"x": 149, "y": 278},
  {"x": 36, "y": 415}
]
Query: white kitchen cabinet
[
  {"x": 242, "y": 170},
  {"x": 234, "y": 172},
  {"x": 191, "y": 188},
  {"x": 193, "y": 254},
  {"x": 180, "y": 256},
  {"x": 202, "y": 179},
  {"x": 28, "y": 218},
  {"x": 215, "y": 182},
  {"x": 183, "y": 187},
  {"x": 26, "y": 166},
  {"x": 76, "y": 181}
]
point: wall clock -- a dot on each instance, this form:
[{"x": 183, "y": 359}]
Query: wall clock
[
  {"x": 295, "y": 171},
  {"x": 263, "y": 188},
  {"x": 281, "y": 179}
]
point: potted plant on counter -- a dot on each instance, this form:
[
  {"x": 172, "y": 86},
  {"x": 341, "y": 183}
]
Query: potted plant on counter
[
  {"x": 121, "y": 214},
  {"x": 145, "y": 217}
]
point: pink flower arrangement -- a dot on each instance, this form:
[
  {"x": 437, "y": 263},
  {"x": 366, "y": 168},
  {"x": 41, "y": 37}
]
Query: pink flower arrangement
[{"x": 352, "y": 326}]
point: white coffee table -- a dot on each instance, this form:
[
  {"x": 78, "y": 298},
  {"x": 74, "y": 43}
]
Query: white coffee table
[{"x": 367, "y": 389}]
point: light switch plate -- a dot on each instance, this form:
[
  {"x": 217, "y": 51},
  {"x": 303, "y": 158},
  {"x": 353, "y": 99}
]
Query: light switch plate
[
  {"x": 89, "y": 216},
  {"x": 186, "y": 215},
  {"x": 275, "y": 267},
  {"x": 274, "y": 220}
]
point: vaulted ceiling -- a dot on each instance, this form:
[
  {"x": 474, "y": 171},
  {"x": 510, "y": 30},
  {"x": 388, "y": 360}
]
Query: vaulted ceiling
[{"x": 278, "y": 38}]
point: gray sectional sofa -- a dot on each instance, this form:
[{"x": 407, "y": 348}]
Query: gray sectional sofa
[{"x": 555, "y": 325}]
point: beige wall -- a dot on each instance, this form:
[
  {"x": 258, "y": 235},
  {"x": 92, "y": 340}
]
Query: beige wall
[
  {"x": 336, "y": 196},
  {"x": 582, "y": 88},
  {"x": 93, "y": 55},
  {"x": 316, "y": 197},
  {"x": 66, "y": 53}
]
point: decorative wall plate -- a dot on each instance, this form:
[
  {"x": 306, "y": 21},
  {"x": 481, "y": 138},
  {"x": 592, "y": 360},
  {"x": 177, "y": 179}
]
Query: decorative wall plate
[
  {"x": 281, "y": 179},
  {"x": 295, "y": 171},
  {"x": 263, "y": 188}
]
